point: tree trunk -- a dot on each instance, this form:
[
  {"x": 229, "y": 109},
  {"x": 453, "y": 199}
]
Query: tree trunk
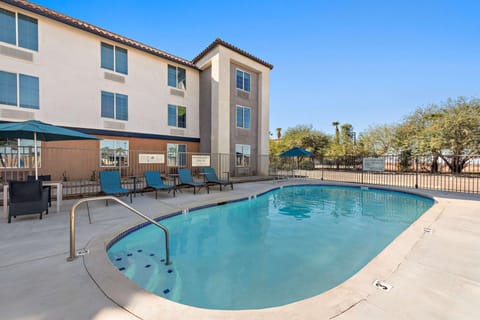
[{"x": 434, "y": 165}]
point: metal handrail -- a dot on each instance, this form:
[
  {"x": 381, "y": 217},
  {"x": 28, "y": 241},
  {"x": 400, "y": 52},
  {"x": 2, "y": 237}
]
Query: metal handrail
[{"x": 86, "y": 200}]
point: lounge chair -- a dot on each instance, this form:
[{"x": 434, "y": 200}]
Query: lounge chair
[
  {"x": 46, "y": 177},
  {"x": 26, "y": 197},
  {"x": 185, "y": 179},
  {"x": 110, "y": 184},
  {"x": 154, "y": 181},
  {"x": 211, "y": 178}
]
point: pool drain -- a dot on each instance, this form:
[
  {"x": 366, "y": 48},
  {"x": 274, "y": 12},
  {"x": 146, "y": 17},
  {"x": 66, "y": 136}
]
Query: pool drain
[
  {"x": 82, "y": 252},
  {"x": 382, "y": 285}
]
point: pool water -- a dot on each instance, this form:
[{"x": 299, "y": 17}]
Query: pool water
[{"x": 286, "y": 245}]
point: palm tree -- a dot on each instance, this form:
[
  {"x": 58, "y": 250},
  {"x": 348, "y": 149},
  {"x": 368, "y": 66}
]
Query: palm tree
[
  {"x": 337, "y": 132},
  {"x": 279, "y": 133}
]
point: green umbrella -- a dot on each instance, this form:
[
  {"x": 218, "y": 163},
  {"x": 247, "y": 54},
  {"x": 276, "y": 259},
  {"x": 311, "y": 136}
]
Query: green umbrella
[
  {"x": 37, "y": 130},
  {"x": 296, "y": 152}
]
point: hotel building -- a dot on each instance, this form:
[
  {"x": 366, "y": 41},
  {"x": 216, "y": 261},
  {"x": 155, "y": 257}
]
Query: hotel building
[{"x": 66, "y": 72}]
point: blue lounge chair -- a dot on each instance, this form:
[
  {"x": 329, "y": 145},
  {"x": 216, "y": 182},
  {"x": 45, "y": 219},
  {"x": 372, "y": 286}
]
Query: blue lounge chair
[
  {"x": 211, "y": 178},
  {"x": 185, "y": 179},
  {"x": 154, "y": 181},
  {"x": 111, "y": 184}
]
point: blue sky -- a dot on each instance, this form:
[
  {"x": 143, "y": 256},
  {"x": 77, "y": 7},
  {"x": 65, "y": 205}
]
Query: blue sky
[{"x": 359, "y": 62}]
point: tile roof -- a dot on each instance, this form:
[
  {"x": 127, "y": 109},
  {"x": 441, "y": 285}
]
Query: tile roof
[
  {"x": 220, "y": 42},
  {"x": 29, "y": 6},
  {"x": 35, "y": 8}
]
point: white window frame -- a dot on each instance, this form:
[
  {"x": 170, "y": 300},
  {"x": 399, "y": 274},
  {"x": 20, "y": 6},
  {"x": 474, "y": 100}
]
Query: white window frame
[
  {"x": 243, "y": 84},
  {"x": 243, "y": 112},
  {"x": 114, "y": 165},
  {"x": 178, "y": 86},
  {"x": 242, "y": 164},
  {"x": 176, "y": 155}
]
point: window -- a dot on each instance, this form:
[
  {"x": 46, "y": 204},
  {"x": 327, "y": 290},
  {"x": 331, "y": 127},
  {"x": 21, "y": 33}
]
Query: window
[
  {"x": 242, "y": 153},
  {"x": 176, "y": 154},
  {"x": 114, "y": 106},
  {"x": 29, "y": 92},
  {"x": 177, "y": 77},
  {"x": 243, "y": 80},
  {"x": 19, "y": 153},
  {"x": 114, "y": 58},
  {"x": 27, "y": 35},
  {"x": 8, "y": 88},
  {"x": 113, "y": 153},
  {"x": 243, "y": 117},
  {"x": 177, "y": 116}
]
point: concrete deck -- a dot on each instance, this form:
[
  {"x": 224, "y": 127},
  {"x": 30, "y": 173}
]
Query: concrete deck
[{"x": 435, "y": 275}]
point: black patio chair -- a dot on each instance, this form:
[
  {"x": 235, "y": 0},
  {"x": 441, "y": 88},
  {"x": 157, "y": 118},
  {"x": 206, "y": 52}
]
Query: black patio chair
[
  {"x": 45, "y": 177},
  {"x": 26, "y": 197}
]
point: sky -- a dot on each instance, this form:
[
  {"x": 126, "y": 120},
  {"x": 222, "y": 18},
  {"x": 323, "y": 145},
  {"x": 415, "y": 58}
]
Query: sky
[{"x": 359, "y": 62}]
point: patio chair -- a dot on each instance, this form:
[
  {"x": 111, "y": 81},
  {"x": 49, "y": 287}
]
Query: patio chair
[
  {"x": 154, "y": 181},
  {"x": 185, "y": 179},
  {"x": 211, "y": 178},
  {"x": 46, "y": 177},
  {"x": 111, "y": 184},
  {"x": 26, "y": 197}
]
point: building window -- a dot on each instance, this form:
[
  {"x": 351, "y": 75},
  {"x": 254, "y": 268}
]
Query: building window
[
  {"x": 19, "y": 153},
  {"x": 8, "y": 88},
  {"x": 114, "y": 58},
  {"x": 176, "y": 154},
  {"x": 243, "y": 80},
  {"x": 29, "y": 92},
  {"x": 25, "y": 87},
  {"x": 242, "y": 153},
  {"x": 114, "y": 106},
  {"x": 243, "y": 117},
  {"x": 177, "y": 116},
  {"x": 113, "y": 153},
  {"x": 27, "y": 35},
  {"x": 177, "y": 77}
]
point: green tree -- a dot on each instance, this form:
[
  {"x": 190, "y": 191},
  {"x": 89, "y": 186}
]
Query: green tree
[
  {"x": 450, "y": 132},
  {"x": 302, "y": 136},
  {"x": 346, "y": 139},
  {"x": 455, "y": 132},
  {"x": 377, "y": 140}
]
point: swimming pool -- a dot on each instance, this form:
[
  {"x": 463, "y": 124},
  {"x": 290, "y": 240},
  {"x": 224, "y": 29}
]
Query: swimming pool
[{"x": 286, "y": 245}]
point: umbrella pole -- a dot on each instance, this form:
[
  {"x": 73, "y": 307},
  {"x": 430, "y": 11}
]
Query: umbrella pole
[{"x": 35, "y": 148}]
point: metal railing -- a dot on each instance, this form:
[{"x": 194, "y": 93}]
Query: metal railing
[
  {"x": 454, "y": 173},
  {"x": 86, "y": 200},
  {"x": 78, "y": 167}
]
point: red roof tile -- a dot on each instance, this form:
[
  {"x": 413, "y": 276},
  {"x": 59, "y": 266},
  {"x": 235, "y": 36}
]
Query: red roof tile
[
  {"x": 27, "y": 5},
  {"x": 220, "y": 42},
  {"x": 32, "y": 7}
]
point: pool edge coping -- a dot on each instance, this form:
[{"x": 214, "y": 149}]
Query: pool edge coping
[{"x": 330, "y": 303}]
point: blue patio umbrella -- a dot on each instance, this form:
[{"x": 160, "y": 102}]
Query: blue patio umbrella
[
  {"x": 296, "y": 152},
  {"x": 37, "y": 130}
]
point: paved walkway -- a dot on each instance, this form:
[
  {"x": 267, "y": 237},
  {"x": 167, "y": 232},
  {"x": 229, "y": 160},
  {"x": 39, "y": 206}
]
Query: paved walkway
[{"x": 434, "y": 275}]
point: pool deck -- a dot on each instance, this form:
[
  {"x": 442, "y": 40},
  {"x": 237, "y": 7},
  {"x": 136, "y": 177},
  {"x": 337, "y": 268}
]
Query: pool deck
[{"x": 435, "y": 275}]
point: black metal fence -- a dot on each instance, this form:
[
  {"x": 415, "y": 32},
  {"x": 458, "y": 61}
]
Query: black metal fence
[
  {"x": 78, "y": 168},
  {"x": 444, "y": 173}
]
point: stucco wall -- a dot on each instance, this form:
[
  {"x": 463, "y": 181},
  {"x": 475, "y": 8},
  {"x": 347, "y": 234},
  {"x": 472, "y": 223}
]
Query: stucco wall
[
  {"x": 71, "y": 80},
  {"x": 206, "y": 110}
]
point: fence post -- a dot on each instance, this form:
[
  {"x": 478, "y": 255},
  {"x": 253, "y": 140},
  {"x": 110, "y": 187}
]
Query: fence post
[
  {"x": 416, "y": 172},
  {"x": 321, "y": 165},
  {"x": 362, "y": 170}
]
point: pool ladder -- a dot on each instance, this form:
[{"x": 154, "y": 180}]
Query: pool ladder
[{"x": 87, "y": 200}]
